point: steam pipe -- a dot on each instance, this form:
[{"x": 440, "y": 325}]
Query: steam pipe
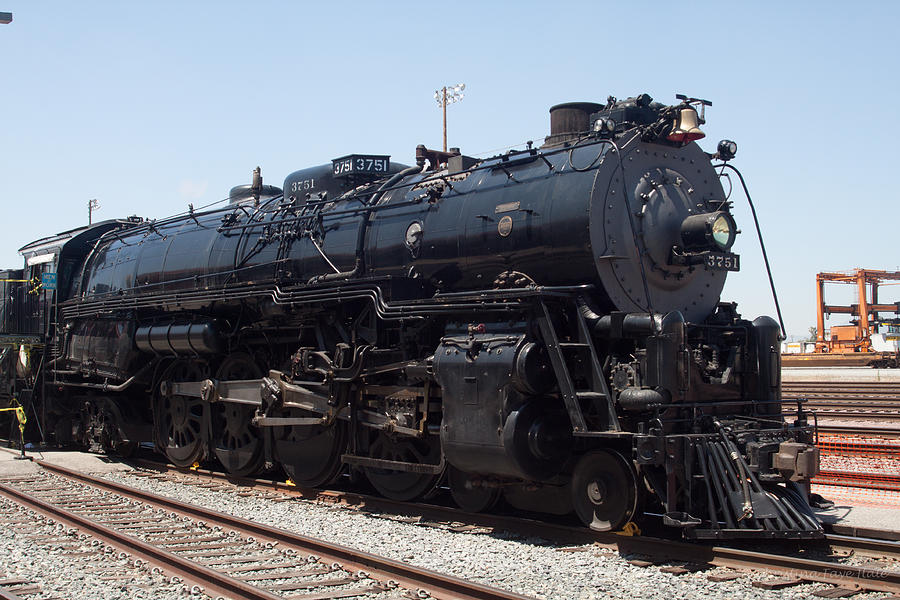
[
  {"x": 106, "y": 387},
  {"x": 101, "y": 386},
  {"x": 360, "y": 265},
  {"x": 620, "y": 324}
]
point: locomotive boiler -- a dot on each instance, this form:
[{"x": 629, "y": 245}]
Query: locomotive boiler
[{"x": 543, "y": 326}]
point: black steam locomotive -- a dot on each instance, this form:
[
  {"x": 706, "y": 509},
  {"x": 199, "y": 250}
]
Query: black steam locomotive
[{"x": 543, "y": 326}]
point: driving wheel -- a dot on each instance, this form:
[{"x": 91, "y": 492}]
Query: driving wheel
[
  {"x": 179, "y": 420},
  {"x": 311, "y": 454},
  {"x": 237, "y": 444},
  {"x": 403, "y": 485}
]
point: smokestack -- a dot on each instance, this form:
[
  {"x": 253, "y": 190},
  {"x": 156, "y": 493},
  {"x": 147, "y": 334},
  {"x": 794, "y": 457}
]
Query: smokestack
[{"x": 569, "y": 120}]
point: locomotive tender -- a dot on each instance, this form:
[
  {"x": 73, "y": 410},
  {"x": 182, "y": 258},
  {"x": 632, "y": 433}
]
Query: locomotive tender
[{"x": 543, "y": 326}]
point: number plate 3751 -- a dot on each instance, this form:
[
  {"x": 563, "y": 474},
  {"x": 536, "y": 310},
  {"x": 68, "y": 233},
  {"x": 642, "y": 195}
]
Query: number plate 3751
[{"x": 723, "y": 261}]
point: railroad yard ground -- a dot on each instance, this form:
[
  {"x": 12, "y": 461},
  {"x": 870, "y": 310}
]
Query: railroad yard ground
[
  {"x": 41, "y": 562},
  {"x": 486, "y": 557},
  {"x": 865, "y": 515},
  {"x": 880, "y": 518}
]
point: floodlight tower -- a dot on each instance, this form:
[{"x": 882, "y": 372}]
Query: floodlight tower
[
  {"x": 93, "y": 204},
  {"x": 448, "y": 95}
]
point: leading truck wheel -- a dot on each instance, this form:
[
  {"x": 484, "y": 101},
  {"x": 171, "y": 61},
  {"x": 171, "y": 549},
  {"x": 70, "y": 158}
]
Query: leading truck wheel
[
  {"x": 604, "y": 490},
  {"x": 468, "y": 495}
]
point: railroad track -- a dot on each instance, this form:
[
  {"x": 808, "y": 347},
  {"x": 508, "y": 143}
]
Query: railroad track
[
  {"x": 857, "y": 389},
  {"x": 857, "y": 414},
  {"x": 35, "y": 534},
  {"x": 219, "y": 554},
  {"x": 869, "y": 409},
  {"x": 859, "y": 462},
  {"x": 859, "y": 479},
  {"x": 869, "y": 395},
  {"x": 887, "y": 430},
  {"x": 790, "y": 559}
]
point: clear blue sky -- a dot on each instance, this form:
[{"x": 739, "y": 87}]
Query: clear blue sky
[{"x": 149, "y": 106}]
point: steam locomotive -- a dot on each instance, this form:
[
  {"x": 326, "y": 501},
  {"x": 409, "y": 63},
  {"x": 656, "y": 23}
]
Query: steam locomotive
[{"x": 543, "y": 326}]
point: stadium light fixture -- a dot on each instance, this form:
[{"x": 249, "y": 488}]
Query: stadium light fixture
[
  {"x": 93, "y": 204},
  {"x": 448, "y": 95}
]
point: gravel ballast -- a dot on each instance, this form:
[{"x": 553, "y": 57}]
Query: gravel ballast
[
  {"x": 528, "y": 566},
  {"x": 66, "y": 564}
]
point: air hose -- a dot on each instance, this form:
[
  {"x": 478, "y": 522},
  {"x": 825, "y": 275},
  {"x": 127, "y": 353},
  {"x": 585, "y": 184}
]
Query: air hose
[{"x": 20, "y": 416}]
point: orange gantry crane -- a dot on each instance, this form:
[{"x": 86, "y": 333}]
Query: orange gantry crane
[
  {"x": 869, "y": 339},
  {"x": 857, "y": 336}
]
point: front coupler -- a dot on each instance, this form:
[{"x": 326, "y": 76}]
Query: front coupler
[{"x": 730, "y": 483}]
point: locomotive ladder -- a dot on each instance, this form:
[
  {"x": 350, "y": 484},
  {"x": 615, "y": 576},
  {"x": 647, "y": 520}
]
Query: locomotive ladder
[{"x": 598, "y": 394}]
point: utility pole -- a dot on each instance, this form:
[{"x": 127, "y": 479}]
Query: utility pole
[
  {"x": 93, "y": 204},
  {"x": 448, "y": 95}
]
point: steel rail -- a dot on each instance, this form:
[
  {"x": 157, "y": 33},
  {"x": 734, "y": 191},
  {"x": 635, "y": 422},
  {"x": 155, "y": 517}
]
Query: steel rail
[
  {"x": 860, "y": 409},
  {"x": 864, "y": 539},
  {"x": 716, "y": 555},
  {"x": 890, "y": 430},
  {"x": 844, "y": 400},
  {"x": 528, "y": 527},
  {"x": 860, "y": 577},
  {"x": 191, "y": 572},
  {"x": 858, "y": 414},
  {"x": 7, "y": 595},
  {"x": 847, "y": 384},
  {"x": 875, "y": 390},
  {"x": 887, "y": 391},
  {"x": 863, "y": 543},
  {"x": 859, "y": 479},
  {"x": 409, "y": 576}
]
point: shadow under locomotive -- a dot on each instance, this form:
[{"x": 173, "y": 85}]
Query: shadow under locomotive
[{"x": 543, "y": 326}]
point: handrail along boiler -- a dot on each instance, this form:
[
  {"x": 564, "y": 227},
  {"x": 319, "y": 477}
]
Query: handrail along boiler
[{"x": 544, "y": 325}]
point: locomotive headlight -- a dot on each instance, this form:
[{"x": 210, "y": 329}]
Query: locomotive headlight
[
  {"x": 723, "y": 231},
  {"x": 726, "y": 150},
  {"x": 604, "y": 126},
  {"x": 708, "y": 231}
]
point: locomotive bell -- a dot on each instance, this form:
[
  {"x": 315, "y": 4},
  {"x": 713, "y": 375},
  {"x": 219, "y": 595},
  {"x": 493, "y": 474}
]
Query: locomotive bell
[{"x": 686, "y": 127}]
